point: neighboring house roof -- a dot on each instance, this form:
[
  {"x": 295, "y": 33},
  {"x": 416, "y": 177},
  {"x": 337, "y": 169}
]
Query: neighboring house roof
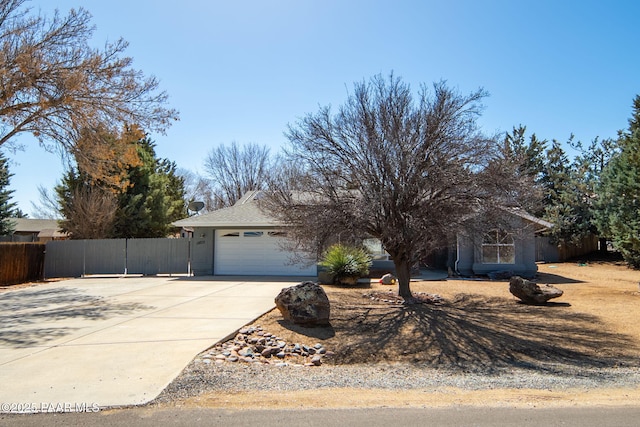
[
  {"x": 41, "y": 227},
  {"x": 28, "y": 225},
  {"x": 244, "y": 213}
]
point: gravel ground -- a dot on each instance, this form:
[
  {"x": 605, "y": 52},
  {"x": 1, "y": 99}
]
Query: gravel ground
[{"x": 200, "y": 377}]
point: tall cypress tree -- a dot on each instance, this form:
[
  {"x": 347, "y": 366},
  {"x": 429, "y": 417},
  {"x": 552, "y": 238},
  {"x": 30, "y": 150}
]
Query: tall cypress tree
[
  {"x": 7, "y": 208},
  {"x": 154, "y": 198},
  {"x": 618, "y": 195}
]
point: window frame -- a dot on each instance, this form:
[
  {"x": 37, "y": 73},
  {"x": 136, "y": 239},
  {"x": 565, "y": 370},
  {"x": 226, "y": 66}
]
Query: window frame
[{"x": 504, "y": 245}]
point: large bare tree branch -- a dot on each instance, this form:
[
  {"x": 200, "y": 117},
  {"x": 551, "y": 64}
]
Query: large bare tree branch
[
  {"x": 408, "y": 171},
  {"x": 54, "y": 85}
]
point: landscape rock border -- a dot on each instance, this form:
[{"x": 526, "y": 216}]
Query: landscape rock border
[{"x": 252, "y": 344}]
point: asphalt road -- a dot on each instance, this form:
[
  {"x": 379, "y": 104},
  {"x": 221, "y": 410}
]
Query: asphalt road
[{"x": 462, "y": 416}]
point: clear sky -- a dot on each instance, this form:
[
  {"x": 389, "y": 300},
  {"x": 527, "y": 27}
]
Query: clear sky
[{"x": 242, "y": 70}]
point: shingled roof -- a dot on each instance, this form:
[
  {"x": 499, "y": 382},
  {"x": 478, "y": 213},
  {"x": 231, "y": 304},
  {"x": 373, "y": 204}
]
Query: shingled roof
[{"x": 244, "y": 213}]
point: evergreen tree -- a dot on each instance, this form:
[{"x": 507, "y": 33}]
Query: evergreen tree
[
  {"x": 154, "y": 198},
  {"x": 618, "y": 194},
  {"x": 525, "y": 160},
  {"x": 141, "y": 199},
  {"x": 567, "y": 197},
  {"x": 7, "y": 208}
]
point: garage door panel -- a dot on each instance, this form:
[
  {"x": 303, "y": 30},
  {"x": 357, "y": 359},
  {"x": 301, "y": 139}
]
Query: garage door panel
[{"x": 251, "y": 252}]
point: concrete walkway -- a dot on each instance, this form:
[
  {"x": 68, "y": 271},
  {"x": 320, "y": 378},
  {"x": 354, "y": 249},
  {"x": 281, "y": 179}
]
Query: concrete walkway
[{"x": 116, "y": 341}]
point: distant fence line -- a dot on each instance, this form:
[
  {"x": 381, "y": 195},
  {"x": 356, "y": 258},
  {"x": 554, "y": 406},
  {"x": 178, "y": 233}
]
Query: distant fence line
[
  {"x": 21, "y": 262},
  {"x": 75, "y": 258},
  {"x": 546, "y": 251}
]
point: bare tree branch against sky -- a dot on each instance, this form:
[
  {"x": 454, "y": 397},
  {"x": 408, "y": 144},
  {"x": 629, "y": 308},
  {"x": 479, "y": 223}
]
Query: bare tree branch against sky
[{"x": 242, "y": 71}]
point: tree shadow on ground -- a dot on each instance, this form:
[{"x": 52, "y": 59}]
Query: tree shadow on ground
[
  {"x": 473, "y": 332},
  {"x": 30, "y": 317},
  {"x": 319, "y": 332}
]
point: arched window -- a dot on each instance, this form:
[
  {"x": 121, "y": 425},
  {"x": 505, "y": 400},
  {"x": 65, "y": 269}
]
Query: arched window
[{"x": 498, "y": 247}]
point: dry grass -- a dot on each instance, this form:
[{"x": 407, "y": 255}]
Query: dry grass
[{"x": 479, "y": 324}]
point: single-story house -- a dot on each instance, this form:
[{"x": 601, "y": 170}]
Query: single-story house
[
  {"x": 241, "y": 240},
  {"x": 510, "y": 247},
  {"x": 35, "y": 230}
]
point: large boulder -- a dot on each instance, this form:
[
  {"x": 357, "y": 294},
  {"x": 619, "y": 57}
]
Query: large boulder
[
  {"x": 304, "y": 304},
  {"x": 532, "y": 293}
]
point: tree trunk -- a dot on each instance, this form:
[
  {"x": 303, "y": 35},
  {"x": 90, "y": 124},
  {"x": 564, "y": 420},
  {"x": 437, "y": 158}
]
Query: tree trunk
[{"x": 403, "y": 271}]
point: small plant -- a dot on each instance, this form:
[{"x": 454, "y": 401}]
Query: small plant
[{"x": 346, "y": 264}]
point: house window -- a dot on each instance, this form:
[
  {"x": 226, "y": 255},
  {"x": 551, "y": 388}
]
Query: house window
[
  {"x": 277, "y": 233},
  {"x": 498, "y": 247},
  {"x": 253, "y": 234},
  {"x": 232, "y": 234}
]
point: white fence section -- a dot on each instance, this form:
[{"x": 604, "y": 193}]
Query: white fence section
[{"x": 75, "y": 258}]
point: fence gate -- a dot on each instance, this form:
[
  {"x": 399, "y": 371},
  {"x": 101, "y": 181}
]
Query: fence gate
[
  {"x": 157, "y": 256},
  {"x": 75, "y": 258}
]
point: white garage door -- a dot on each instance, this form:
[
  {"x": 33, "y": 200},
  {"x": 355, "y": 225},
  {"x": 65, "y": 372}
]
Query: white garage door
[{"x": 254, "y": 252}]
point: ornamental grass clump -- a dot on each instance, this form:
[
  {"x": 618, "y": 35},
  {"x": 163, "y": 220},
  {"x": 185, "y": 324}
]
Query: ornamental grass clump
[{"x": 346, "y": 264}]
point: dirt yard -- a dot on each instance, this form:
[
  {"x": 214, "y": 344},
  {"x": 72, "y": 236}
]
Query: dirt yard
[{"x": 477, "y": 326}]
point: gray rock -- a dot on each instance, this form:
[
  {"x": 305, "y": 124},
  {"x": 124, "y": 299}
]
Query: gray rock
[
  {"x": 388, "y": 279},
  {"x": 304, "y": 304},
  {"x": 316, "y": 360},
  {"x": 532, "y": 293},
  {"x": 247, "y": 351}
]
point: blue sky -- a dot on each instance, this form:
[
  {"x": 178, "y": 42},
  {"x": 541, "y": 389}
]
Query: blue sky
[{"x": 242, "y": 70}]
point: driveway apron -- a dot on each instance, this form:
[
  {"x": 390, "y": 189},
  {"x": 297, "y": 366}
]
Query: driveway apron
[{"x": 116, "y": 341}]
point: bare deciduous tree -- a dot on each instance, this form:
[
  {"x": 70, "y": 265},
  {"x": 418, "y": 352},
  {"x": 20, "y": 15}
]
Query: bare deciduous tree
[
  {"x": 235, "y": 170},
  {"x": 54, "y": 85},
  {"x": 48, "y": 206},
  {"x": 197, "y": 189},
  {"x": 89, "y": 212},
  {"x": 407, "y": 171}
]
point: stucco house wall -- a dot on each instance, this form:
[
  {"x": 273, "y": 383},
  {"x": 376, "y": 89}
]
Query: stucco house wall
[
  {"x": 202, "y": 251},
  {"x": 522, "y": 229}
]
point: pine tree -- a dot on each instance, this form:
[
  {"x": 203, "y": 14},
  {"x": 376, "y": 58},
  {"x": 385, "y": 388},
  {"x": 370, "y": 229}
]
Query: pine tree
[
  {"x": 7, "y": 208},
  {"x": 618, "y": 195},
  {"x": 154, "y": 198},
  {"x": 567, "y": 197},
  {"x": 527, "y": 159},
  {"x": 141, "y": 199}
]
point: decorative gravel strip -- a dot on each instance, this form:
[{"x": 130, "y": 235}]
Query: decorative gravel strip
[{"x": 200, "y": 377}]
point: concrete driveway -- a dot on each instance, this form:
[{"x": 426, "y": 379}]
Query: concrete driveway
[{"x": 116, "y": 341}]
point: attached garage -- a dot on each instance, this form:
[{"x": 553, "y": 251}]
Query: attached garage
[
  {"x": 241, "y": 240},
  {"x": 255, "y": 252}
]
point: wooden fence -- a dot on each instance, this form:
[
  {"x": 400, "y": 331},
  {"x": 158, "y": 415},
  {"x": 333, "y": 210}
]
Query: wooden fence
[
  {"x": 21, "y": 262},
  {"x": 548, "y": 252}
]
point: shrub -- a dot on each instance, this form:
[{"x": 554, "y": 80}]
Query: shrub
[{"x": 344, "y": 262}]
